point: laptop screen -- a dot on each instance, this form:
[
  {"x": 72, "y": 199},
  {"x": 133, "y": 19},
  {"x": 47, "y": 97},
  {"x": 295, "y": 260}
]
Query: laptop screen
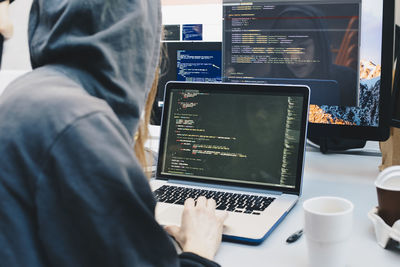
[{"x": 238, "y": 136}]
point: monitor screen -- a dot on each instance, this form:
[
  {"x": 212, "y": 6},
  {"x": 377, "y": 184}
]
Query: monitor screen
[
  {"x": 198, "y": 65},
  {"x": 342, "y": 49},
  {"x": 187, "y": 61}
]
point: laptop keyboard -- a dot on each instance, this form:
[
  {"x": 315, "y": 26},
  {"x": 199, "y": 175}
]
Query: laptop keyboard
[{"x": 233, "y": 202}]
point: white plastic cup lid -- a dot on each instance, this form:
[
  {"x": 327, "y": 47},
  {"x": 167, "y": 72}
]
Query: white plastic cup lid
[{"x": 389, "y": 179}]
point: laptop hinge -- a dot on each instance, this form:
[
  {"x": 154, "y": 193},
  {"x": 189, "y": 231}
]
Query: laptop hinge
[{"x": 226, "y": 187}]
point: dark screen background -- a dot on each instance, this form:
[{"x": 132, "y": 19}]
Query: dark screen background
[
  {"x": 299, "y": 41},
  {"x": 254, "y": 137}
]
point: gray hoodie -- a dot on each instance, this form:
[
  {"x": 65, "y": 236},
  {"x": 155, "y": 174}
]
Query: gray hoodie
[{"x": 71, "y": 190}]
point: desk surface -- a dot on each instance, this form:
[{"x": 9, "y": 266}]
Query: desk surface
[
  {"x": 343, "y": 175},
  {"x": 347, "y": 176}
]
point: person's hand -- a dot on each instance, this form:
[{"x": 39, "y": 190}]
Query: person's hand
[
  {"x": 6, "y": 26},
  {"x": 201, "y": 228}
]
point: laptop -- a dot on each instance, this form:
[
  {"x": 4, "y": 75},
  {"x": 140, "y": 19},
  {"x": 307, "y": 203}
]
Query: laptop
[{"x": 240, "y": 144}]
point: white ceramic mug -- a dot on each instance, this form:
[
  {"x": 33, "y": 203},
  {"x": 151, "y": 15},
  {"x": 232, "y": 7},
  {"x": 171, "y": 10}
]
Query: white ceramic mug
[{"x": 327, "y": 226}]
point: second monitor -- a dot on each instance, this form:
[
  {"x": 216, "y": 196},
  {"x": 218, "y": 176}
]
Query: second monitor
[
  {"x": 341, "y": 49},
  {"x": 187, "y": 61}
]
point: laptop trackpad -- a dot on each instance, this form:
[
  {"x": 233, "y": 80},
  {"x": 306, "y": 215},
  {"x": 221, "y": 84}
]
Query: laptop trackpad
[{"x": 167, "y": 214}]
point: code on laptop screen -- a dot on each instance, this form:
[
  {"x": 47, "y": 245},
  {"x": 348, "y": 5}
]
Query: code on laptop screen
[{"x": 246, "y": 138}]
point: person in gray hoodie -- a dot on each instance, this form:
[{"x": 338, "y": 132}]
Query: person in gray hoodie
[{"x": 72, "y": 192}]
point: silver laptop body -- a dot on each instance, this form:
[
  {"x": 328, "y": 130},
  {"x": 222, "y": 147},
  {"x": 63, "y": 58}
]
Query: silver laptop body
[{"x": 239, "y": 143}]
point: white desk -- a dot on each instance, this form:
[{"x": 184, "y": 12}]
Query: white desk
[{"x": 347, "y": 176}]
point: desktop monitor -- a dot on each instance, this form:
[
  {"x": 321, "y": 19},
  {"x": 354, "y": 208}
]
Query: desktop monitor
[
  {"x": 186, "y": 61},
  {"x": 341, "y": 49}
]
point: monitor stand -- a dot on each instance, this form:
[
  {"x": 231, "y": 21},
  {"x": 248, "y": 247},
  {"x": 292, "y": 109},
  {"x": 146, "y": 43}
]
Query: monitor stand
[{"x": 329, "y": 144}]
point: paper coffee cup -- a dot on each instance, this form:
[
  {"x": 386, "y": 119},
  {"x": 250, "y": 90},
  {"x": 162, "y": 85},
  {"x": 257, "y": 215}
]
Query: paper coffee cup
[{"x": 388, "y": 192}]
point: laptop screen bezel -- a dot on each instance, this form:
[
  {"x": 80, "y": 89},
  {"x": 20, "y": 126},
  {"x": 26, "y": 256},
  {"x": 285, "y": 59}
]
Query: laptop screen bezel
[{"x": 295, "y": 90}]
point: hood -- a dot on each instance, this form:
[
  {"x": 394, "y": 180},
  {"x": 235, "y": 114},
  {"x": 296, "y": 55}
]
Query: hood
[
  {"x": 110, "y": 47},
  {"x": 309, "y": 17}
]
